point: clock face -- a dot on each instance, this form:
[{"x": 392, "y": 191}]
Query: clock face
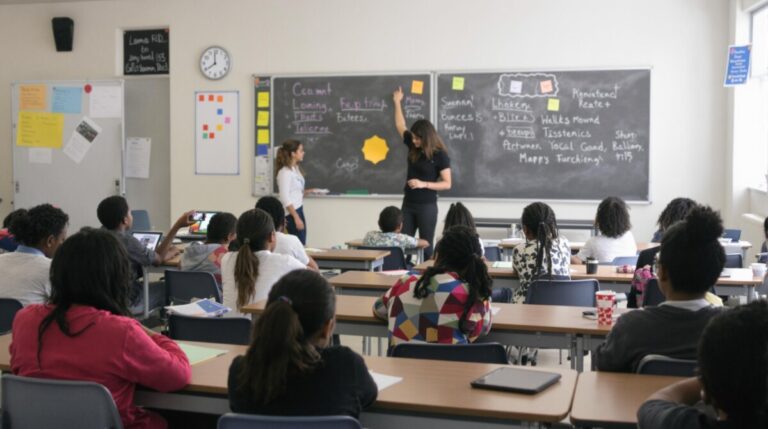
[{"x": 215, "y": 62}]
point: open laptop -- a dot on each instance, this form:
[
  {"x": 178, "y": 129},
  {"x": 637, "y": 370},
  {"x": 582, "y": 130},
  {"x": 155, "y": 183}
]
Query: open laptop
[
  {"x": 202, "y": 219},
  {"x": 148, "y": 239}
]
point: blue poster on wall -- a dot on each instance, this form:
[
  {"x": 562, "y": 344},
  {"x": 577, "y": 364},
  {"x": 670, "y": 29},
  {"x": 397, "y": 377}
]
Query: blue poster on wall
[{"x": 737, "y": 71}]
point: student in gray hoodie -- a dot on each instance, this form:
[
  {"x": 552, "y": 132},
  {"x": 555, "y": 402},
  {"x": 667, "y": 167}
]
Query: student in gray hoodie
[{"x": 207, "y": 256}]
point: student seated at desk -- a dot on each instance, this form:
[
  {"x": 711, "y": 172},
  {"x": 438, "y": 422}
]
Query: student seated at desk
[
  {"x": 207, "y": 256},
  {"x": 85, "y": 334},
  {"x": 544, "y": 253},
  {"x": 689, "y": 262},
  {"x": 616, "y": 239},
  {"x": 458, "y": 214},
  {"x": 115, "y": 216},
  {"x": 733, "y": 377},
  {"x": 248, "y": 274},
  {"x": 7, "y": 240},
  {"x": 24, "y": 274},
  {"x": 290, "y": 367},
  {"x": 450, "y": 303},
  {"x": 287, "y": 244},
  {"x": 390, "y": 224}
]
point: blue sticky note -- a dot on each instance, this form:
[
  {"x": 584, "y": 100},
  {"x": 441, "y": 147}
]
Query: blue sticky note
[
  {"x": 262, "y": 149},
  {"x": 219, "y": 111},
  {"x": 67, "y": 99}
]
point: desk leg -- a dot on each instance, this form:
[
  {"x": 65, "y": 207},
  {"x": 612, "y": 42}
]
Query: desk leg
[
  {"x": 750, "y": 291},
  {"x": 419, "y": 255},
  {"x": 146, "y": 292},
  {"x": 577, "y": 358}
]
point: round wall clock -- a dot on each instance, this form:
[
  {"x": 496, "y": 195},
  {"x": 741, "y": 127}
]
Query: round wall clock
[{"x": 215, "y": 62}]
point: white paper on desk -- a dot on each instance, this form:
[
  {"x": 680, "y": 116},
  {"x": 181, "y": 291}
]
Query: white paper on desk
[
  {"x": 502, "y": 264},
  {"x": 383, "y": 381},
  {"x": 137, "y": 156},
  {"x": 40, "y": 155},
  {"x": 495, "y": 310},
  {"x": 394, "y": 273},
  {"x": 106, "y": 102},
  {"x": 202, "y": 308},
  {"x": 82, "y": 139},
  {"x": 314, "y": 250}
]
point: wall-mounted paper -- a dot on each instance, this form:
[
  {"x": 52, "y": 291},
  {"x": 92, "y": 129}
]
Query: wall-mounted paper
[
  {"x": 40, "y": 129},
  {"x": 67, "y": 99},
  {"x": 217, "y": 136},
  {"x": 137, "y": 157},
  {"x": 82, "y": 139},
  {"x": 106, "y": 102},
  {"x": 40, "y": 155},
  {"x": 33, "y": 97}
]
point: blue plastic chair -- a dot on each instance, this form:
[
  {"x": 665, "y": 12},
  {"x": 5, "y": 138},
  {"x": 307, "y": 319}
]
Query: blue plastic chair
[
  {"x": 733, "y": 260},
  {"x": 183, "y": 286},
  {"x": 476, "y": 352},
  {"x": 394, "y": 261},
  {"x": 624, "y": 260},
  {"x": 226, "y": 330},
  {"x": 67, "y": 404},
  {"x": 492, "y": 253},
  {"x": 733, "y": 234},
  {"x": 664, "y": 365},
  {"x": 141, "y": 220},
  {"x": 8, "y": 309},
  {"x": 251, "y": 421},
  {"x": 576, "y": 293}
]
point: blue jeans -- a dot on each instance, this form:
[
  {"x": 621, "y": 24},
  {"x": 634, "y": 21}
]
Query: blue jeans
[{"x": 290, "y": 226}]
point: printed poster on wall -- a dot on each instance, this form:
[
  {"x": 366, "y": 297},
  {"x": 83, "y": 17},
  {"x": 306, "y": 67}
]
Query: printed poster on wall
[{"x": 217, "y": 139}]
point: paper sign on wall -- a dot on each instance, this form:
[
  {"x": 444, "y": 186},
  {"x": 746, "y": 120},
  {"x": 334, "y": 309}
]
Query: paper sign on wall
[
  {"x": 106, "y": 102},
  {"x": 82, "y": 139},
  {"x": 40, "y": 129},
  {"x": 67, "y": 99},
  {"x": 40, "y": 155},
  {"x": 33, "y": 97},
  {"x": 137, "y": 157},
  {"x": 217, "y": 132}
]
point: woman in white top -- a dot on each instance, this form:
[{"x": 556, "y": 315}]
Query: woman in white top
[
  {"x": 290, "y": 182},
  {"x": 24, "y": 273},
  {"x": 248, "y": 274},
  {"x": 615, "y": 239}
]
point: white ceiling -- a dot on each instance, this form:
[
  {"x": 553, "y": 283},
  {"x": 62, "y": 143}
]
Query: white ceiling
[{"x": 6, "y": 2}]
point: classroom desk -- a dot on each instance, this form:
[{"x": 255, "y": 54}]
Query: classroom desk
[
  {"x": 611, "y": 400},
  {"x": 418, "y": 252},
  {"x": 431, "y": 392},
  {"x": 349, "y": 259},
  {"x": 511, "y": 224},
  {"x": 539, "y": 326},
  {"x": 362, "y": 283}
]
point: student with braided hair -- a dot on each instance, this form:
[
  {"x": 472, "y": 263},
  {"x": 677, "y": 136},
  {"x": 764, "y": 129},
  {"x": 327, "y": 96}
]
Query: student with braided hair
[
  {"x": 449, "y": 304},
  {"x": 248, "y": 274},
  {"x": 291, "y": 368},
  {"x": 544, "y": 252}
]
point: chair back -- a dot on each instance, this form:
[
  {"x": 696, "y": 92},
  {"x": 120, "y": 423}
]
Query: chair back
[
  {"x": 733, "y": 260},
  {"x": 492, "y": 253},
  {"x": 394, "y": 261},
  {"x": 184, "y": 286},
  {"x": 577, "y": 293},
  {"x": 8, "y": 309},
  {"x": 44, "y": 403},
  {"x": 625, "y": 260},
  {"x": 476, "y": 352},
  {"x": 141, "y": 220},
  {"x": 733, "y": 234},
  {"x": 251, "y": 421},
  {"x": 227, "y": 330},
  {"x": 664, "y": 365},
  {"x": 652, "y": 294}
]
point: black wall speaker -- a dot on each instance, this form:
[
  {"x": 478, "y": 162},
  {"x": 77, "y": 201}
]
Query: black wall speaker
[{"x": 63, "y": 31}]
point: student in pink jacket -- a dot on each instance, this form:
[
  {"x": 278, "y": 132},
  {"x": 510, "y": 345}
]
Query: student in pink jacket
[{"x": 83, "y": 333}]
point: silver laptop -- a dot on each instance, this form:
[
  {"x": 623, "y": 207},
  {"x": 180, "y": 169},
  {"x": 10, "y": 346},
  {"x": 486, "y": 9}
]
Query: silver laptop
[{"x": 148, "y": 239}]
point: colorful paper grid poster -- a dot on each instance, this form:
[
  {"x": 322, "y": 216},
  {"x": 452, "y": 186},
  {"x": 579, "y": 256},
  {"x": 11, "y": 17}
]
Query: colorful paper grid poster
[{"x": 217, "y": 139}]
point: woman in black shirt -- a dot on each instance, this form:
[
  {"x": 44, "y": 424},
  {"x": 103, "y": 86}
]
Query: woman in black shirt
[
  {"x": 429, "y": 171},
  {"x": 289, "y": 368}
]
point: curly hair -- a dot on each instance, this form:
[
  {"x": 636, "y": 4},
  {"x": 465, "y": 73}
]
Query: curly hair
[
  {"x": 39, "y": 223},
  {"x": 613, "y": 217}
]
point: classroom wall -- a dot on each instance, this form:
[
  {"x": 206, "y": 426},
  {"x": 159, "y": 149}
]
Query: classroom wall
[{"x": 683, "y": 41}]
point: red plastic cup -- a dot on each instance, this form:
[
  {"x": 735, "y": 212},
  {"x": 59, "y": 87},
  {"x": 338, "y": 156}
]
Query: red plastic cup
[{"x": 606, "y": 302}]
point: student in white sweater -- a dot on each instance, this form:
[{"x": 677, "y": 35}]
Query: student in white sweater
[
  {"x": 249, "y": 274},
  {"x": 39, "y": 233},
  {"x": 615, "y": 239},
  {"x": 287, "y": 244}
]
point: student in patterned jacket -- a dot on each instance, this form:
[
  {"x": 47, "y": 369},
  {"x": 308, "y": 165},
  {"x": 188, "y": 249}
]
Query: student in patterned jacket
[
  {"x": 449, "y": 304},
  {"x": 390, "y": 223}
]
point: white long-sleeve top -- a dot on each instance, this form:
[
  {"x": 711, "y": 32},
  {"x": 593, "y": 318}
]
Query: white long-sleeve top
[{"x": 290, "y": 183}]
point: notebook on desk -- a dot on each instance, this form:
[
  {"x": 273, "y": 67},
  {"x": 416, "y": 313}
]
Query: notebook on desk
[{"x": 148, "y": 239}]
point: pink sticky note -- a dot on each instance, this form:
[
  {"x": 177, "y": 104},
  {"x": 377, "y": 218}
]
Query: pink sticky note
[
  {"x": 227, "y": 120},
  {"x": 546, "y": 86}
]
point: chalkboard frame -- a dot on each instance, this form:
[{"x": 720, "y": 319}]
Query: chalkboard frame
[
  {"x": 649, "y": 198},
  {"x": 431, "y": 75}
]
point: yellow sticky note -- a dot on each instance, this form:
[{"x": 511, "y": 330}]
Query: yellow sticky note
[
  {"x": 33, "y": 97},
  {"x": 458, "y": 83},
  {"x": 546, "y": 86},
  {"x": 40, "y": 129},
  {"x": 262, "y": 118},
  {"x": 417, "y": 87},
  {"x": 263, "y": 99},
  {"x": 262, "y": 137},
  {"x": 553, "y": 104},
  {"x": 219, "y": 127}
]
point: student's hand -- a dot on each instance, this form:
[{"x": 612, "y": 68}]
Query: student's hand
[
  {"x": 299, "y": 223},
  {"x": 184, "y": 220},
  {"x": 397, "y": 96},
  {"x": 417, "y": 184},
  {"x": 172, "y": 252}
]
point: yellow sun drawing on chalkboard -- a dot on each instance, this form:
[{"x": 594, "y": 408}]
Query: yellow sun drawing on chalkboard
[{"x": 375, "y": 149}]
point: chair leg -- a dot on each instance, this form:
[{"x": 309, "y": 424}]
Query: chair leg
[{"x": 560, "y": 352}]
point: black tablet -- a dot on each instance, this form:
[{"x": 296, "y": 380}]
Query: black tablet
[{"x": 516, "y": 380}]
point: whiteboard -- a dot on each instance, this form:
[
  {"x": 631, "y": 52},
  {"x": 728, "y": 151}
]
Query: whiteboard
[{"x": 86, "y": 109}]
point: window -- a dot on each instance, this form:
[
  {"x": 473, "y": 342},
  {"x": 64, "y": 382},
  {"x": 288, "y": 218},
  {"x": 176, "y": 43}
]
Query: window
[{"x": 760, "y": 42}]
